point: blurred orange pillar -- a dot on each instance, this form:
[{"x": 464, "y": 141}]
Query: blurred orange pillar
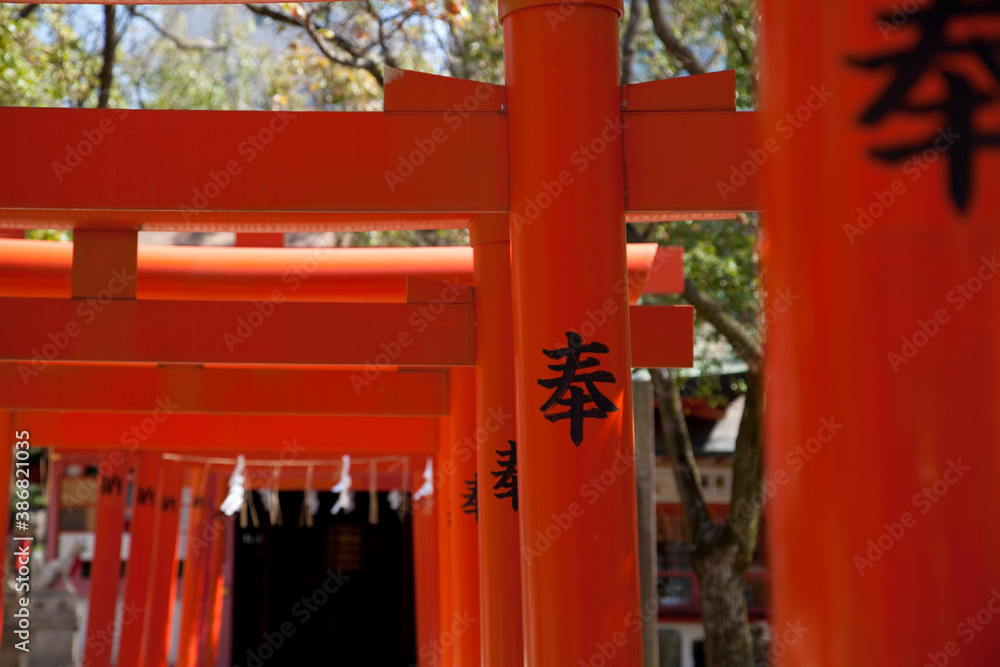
[
  {"x": 463, "y": 625},
  {"x": 194, "y": 559},
  {"x": 444, "y": 473},
  {"x": 499, "y": 541},
  {"x": 883, "y": 352},
  {"x": 105, "y": 568},
  {"x": 140, "y": 555},
  {"x": 425, "y": 579},
  {"x": 163, "y": 574},
  {"x": 211, "y": 611},
  {"x": 574, "y": 414}
]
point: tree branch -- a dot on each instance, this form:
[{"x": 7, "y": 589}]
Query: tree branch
[
  {"x": 344, "y": 44},
  {"x": 26, "y": 11},
  {"x": 671, "y": 417},
  {"x": 671, "y": 43},
  {"x": 628, "y": 40},
  {"x": 106, "y": 77},
  {"x": 179, "y": 42},
  {"x": 264, "y": 10},
  {"x": 741, "y": 340},
  {"x": 746, "y": 500}
]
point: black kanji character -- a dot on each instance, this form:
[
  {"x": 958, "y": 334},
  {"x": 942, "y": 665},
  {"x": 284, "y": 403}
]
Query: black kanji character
[
  {"x": 471, "y": 504},
  {"x": 507, "y": 482},
  {"x": 934, "y": 53},
  {"x": 578, "y": 397}
]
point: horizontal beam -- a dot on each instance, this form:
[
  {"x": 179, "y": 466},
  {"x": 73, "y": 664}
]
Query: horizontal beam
[
  {"x": 293, "y": 437},
  {"x": 354, "y": 334},
  {"x": 370, "y": 336},
  {"x": 256, "y": 171},
  {"x": 368, "y": 275},
  {"x": 250, "y": 170},
  {"x": 720, "y": 154},
  {"x": 222, "y": 390}
]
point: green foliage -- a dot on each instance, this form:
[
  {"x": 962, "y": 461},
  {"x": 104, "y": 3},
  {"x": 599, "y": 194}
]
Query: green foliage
[
  {"x": 49, "y": 58},
  {"x": 49, "y": 234},
  {"x": 720, "y": 258},
  {"x": 722, "y": 34},
  {"x": 225, "y": 64}
]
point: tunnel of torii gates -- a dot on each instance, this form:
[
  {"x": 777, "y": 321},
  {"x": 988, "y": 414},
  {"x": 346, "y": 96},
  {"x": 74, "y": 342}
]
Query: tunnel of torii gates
[{"x": 545, "y": 171}]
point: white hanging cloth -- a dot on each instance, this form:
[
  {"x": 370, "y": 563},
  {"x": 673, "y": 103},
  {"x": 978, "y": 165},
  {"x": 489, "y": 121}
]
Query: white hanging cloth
[{"x": 346, "y": 499}]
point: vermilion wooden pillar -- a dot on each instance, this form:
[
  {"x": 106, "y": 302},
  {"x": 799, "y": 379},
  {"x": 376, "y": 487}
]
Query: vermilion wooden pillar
[
  {"x": 881, "y": 204},
  {"x": 444, "y": 474},
  {"x": 578, "y": 536},
  {"x": 463, "y": 625},
  {"x": 211, "y": 610},
  {"x": 164, "y": 570},
  {"x": 140, "y": 555},
  {"x": 425, "y": 565},
  {"x": 105, "y": 568},
  {"x": 194, "y": 559},
  {"x": 499, "y": 541}
]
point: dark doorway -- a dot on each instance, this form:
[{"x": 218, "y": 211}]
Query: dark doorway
[{"x": 340, "y": 592}]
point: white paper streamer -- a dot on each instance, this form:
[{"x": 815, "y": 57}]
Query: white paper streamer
[{"x": 346, "y": 499}]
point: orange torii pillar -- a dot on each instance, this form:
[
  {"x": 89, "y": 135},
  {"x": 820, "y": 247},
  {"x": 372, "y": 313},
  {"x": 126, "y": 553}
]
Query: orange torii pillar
[
  {"x": 140, "y": 556},
  {"x": 211, "y": 610},
  {"x": 462, "y": 627},
  {"x": 104, "y": 268},
  {"x": 881, "y": 200},
  {"x": 105, "y": 568},
  {"x": 574, "y": 409},
  {"x": 499, "y": 540},
  {"x": 444, "y": 473},
  {"x": 425, "y": 577},
  {"x": 155, "y": 634},
  {"x": 194, "y": 559}
]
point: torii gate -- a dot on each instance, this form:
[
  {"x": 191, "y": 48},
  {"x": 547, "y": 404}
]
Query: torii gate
[
  {"x": 555, "y": 161},
  {"x": 197, "y": 394}
]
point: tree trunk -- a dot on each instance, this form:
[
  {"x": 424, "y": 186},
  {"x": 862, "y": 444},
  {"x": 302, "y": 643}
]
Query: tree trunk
[
  {"x": 106, "y": 77},
  {"x": 721, "y": 581}
]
